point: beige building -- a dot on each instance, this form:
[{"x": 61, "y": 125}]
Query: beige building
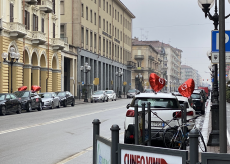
[
  {"x": 32, "y": 29},
  {"x": 99, "y": 32},
  {"x": 148, "y": 60}
]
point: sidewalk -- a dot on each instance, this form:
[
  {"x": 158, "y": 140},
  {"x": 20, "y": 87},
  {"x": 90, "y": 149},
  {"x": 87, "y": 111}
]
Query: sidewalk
[{"x": 206, "y": 129}]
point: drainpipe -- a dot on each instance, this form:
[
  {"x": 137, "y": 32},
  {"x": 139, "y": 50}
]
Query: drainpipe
[
  {"x": 48, "y": 53},
  {"x": 23, "y": 40},
  {"x": 72, "y": 22}
]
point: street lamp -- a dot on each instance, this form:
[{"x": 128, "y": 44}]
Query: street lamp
[
  {"x": 85, "y": 68},
  {"x": 13, "y": 55},
  {"x": 119, "y": 74},
  {"x": 218, "y": 19}
]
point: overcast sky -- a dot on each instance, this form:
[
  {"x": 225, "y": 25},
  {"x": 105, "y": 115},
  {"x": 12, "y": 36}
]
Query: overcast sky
[{"x": 180, "y": 23}]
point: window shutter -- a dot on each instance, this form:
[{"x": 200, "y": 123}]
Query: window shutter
[
  {"x": 11, "y": 12},
  {"x": 28, "y": 20},
  {"x": 42, "y": 25},
  {"x": 36, "y": 22},
  {"x": 39, "y": 2},
  {"x": 54, "y": 6},
  {"x": 33, "y": 22},
  {"x": 53, "y": 30}
]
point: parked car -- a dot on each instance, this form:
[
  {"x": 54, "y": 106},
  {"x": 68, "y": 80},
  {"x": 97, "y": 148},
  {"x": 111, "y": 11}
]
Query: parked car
[
  {"x": 198, "y": 100},
  {"x": 49, "y": 100},
  {"x": 203, "y": 93},
  {"x": 29, "y": 100},
  {"x": 148, "y": 91},
  {"x": 9, "y": 104},
  {"x": 65, "y": 98},
  {"x": 111, "y": 95},
  {"x": 99, "y": 96},
  {"x": 206, "y": 90},
  {"x": 189, "y": 99},
  {"x": 132, "y": 93},
  {"x": 164, "y": 105}
]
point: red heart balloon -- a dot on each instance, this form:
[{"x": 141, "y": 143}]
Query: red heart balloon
[
  {"x": 35, "y": 88},
  {"x": 187, "y": 88},
  {"x": 23, "y": 88},
  {"x": 156, "y": 82}
]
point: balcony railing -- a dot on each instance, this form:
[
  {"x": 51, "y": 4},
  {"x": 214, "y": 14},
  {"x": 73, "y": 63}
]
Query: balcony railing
[
  {"x": 65, "y": 39},
  {"x": 16, "y": 29},
  {"x": 46, "y": 6},
  {"x": 31, "y": 2},
  {"x": 139, "y": 57},
  {"x": 131, "y": 64},
  {"x": 38, "y": 37},
  {"x": 151, "y": 57},
  {"x": 57, "y": 43}
]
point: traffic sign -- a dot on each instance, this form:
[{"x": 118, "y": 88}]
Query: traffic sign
[
  {"x": 130, "y": 84},
  {"x": 215, "y": 41},
  {"x": 82, "y": 82},
  {"x": 215, "y": 57}
]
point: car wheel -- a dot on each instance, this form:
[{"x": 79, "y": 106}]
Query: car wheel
[
  {"x": 73, "y": 103},
  {"x": 40, "y": 107},
  {"x": 91, "y": 101},
  {"x": 29, "y": 109},
  {"x": 112, "y": 99},
  {"x": 107, "y": 99},
  {"x": 65, "y": 103},
  {"x": 3, "y": 111},
  {"x": 19, "y": 111},
  {"x": 202, "y": 112},
  {"x": 58, "y": 104},
  {"x": 127, "y": 140},
  {"x": 52, "y": 106},
  {"x": 115, "y": 99},
  {"x": 103, "y": 100}
]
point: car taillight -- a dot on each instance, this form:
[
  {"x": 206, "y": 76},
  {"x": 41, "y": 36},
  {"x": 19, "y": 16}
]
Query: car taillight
[
  {"x": 178, "y": 114},
  {"x": 130, "y": 113},
  {"x": 131, "y": 137}
]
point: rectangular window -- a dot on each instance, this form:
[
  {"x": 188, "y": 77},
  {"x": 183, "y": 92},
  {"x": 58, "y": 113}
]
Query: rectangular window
[
  {"x": 91, "y": 39},
  {"x": 82, "y": 34},
  {"x": 115, "y": 14},
  {"x": 109, "y": 48},
  {"x": 117, "y": 33},
  {"x": 103, "y": 4},
  {"x": 118, "y": 16},
  {"x": 91, "y": 16},
  {"x": 86, "y": 14},
  {"x": 110, "y": 10},
  {"x": 107, "y": 26},
  {"x": 11, "y": 12},
  {"x": 103, "y": 44},
  {"x": 107, "y": 7},
  {"x": 110, "y": 28},
  {"x": 121, "y": 35},
  {"x": 53, "y": 6},
  {"x": 43, "y": 25},
  {"x": 106, "y": 47},
  {"x": 27, "y": 19},
  {"x": 95, "y": 1},
  {"x": 35, "y": 22},
  {"x": 62, "y": 31},
  {"x": 121, "y": 19},
  {"x": 99, "y": 3},
  {"x": 104, "y": 24},
  {"x": 95, "y": 18},
  {"x": 99, "y": 21},
  {"x": 99, "y": 43},
  {"x": 121, "y": 54},
  {"x": 86, "y": 37},
  {"x": 95, "y": 41},
  {"x": 53, "y": 30},
  {"x": 82, "y": 10},
  {"x": 62, "y": 7}
]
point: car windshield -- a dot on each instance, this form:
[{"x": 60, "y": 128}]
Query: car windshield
[
  {"x": 108, "y": 92},
  {"x": 2, "y": 97},
  {"x": 131, "y": 91},
  {"x": 61, "y": 94},
  {"x": 22, "y": 94},
  {"x": 157, "y": 102},
  {"x": 98, "y": 93},
  {"x": 195, "y": 96},
  {"x": 45, "y": 95}
]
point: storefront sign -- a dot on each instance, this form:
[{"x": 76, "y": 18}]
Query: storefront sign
[{"x": 103, "y": 153}]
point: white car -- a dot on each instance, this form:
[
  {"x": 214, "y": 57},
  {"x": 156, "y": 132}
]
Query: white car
[
  {"x": 111, "y": 95},
  {"x": 164, "y": 105},
  {"x": 99, "y": 96}
]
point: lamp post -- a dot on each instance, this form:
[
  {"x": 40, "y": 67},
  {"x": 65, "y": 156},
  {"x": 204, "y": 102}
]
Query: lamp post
[
  {"x": 13, "y": 55},
  {"x": 219, "y": 19},
  {"x": 86, "y": 68},
  {"x": 119, "y": 74}
]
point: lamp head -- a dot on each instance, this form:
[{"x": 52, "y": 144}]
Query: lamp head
[
  {"x": 89, "y": 68},
  {"x": 4, "y": 56},
  {"x": 116, "y": 73},
  {"x": 205, "y": 5},
  {"x": 17, "y": 56},
  {"x": 82, "y": 68}
]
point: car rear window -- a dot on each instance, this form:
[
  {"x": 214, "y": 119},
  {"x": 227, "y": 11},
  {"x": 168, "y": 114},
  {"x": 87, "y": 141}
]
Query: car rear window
[
  {"x": 2, "y": 97},
  {"x": 156, "y": 102},
  {"x": 22, "y": 94},
  {"x": 131, "y": 91},
  {"x": 195, "y": 96}
]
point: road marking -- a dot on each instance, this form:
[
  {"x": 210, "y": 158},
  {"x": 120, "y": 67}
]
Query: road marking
[
  {"x": 55, "y": 121},
  {"x": 80, "y": 153}
]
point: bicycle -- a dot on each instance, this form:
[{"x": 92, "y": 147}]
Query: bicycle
[{"x": 174, "y": 137}]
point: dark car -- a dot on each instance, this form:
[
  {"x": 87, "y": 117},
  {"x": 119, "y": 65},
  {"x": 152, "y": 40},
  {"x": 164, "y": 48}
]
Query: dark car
[
  {"x": 198, "y": 101},
  {"x": 203, "y": 93},
  {"x": 9, "y": 103},
  {"x": 66, "y": 98},
  {"x": 132, "y": 93},
  {"x": 190, "y": 100},
  {"x": 29, "y": 100},
  {"x": 148, "y": 91},
  {"x": 49, "y": 100}
]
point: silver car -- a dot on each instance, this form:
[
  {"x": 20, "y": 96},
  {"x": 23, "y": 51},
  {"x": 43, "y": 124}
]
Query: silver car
[
  {"x": 111, "y": 95},
  {"x": 99, "y": 96},
  {"x": 132, "y": 93},
  {"x": 49, "y": 100}
]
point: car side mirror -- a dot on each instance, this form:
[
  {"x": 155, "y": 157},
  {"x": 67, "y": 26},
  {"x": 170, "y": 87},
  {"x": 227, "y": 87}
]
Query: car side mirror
[{"x": 128, "y": 106}]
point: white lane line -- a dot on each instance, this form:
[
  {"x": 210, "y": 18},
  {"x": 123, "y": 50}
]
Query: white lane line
[
  {"x": 55, "y": 121},
  {"x": 81, "y": 153}
]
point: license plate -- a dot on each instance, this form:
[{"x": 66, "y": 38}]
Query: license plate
[{"x": 157, "y": 124}]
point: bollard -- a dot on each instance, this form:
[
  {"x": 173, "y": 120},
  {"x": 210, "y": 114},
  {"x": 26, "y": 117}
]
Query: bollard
[
  {"x": 193, "y": 146},
  {"x": 143, "y": 123},
  {"x": 115, "y": 141},
  {"x": 149, "y": 123},
  {"x": 96, "y": 131},
  {"x": 136, "y": 124},
  {"x": 184, "y": 121}
]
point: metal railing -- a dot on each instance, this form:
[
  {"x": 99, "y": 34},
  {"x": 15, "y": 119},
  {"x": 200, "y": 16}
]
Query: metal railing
[
  {"x": 65, "y": 39},
  {"x": 38, "y": 35},
  {"x": 131, "y": 64},
  {"x": 16, "y": 27}
]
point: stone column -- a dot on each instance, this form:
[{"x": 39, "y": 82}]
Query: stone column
[
  {"x": 36, "y": 75},
  {"x": 43, "y": 77}
]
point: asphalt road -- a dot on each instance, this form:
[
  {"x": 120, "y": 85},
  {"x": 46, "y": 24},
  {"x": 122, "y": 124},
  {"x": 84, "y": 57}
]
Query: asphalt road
[{"x": 58, "y": 136}]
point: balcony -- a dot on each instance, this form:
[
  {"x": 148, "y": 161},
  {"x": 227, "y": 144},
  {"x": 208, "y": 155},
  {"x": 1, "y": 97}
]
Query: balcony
[
  {"x": 131, "y": 64},
  {"x": 139, "y": 57},
  {"x": 15, "y": 29},
  {"x": 151, "y": 70},
  {"x": 151, "y": 57},
  {"x": 139, "y": 69},
  {"x": 57, "y": 43},
  {"x": 46, "y": 6},
  {"x": 1, "y": 24},
  {"x": 38, "y": 37},
  {"x": 65, "y": 39},
  {"x": 31, "y": 2}
]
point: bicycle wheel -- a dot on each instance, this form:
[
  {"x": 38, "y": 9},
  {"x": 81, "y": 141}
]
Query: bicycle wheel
[
  {"x": 201, "y": 143},
  {"x": 172, "y": 138}
]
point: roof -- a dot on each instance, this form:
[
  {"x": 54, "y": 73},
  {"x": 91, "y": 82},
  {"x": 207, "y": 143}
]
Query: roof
[
  {"x": 181, "y": 98},
  {"x": 185, "y": 66},
  {"x": 158, "y": 95},
  {"x": 142, "y": 43},
  {"x": 125, "y": 8}
]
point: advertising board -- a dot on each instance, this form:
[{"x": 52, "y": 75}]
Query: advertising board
[{"x": 103, "y": 153}]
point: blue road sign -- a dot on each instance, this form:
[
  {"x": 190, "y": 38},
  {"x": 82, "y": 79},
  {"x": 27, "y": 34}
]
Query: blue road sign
[
  {"x": 215, "y": 41},
  {"x": 82, "y": 82},
  {"x": 130, "y": 84}
]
